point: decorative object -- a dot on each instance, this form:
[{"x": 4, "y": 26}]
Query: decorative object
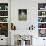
[
  {"x": 27, "y": 38},
  {"x": 41, "y": 6},
  {"x": 23, "y": 40},
  {"x": 40, "y": 25},
  {"x": 42, "y": 32},
  {"x": 3, "y": 6},
  {"x": 31, "y": 27},
  {"x": 4, "y": 29},
  {"x": 6, "y": 7},
  {"x": 22, "y": 14},
  {"x": 41, "y": 19},
  {"x": 3, "y": 19},
  {"x": 22, "y": 43},
  {"x": 3, "y": 13},
  {"x": 13, "y": 27},
  {"x": 41, "y": 13}
]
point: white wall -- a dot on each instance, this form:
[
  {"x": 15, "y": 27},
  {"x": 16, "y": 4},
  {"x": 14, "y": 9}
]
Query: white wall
[{"x": 32, "y": 14}]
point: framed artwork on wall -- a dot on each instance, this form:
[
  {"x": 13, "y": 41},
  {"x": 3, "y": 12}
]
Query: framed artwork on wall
[{"x": 22, "y": 14}]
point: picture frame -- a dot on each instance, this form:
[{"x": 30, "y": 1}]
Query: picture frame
[{"x": 22, "y": 14}]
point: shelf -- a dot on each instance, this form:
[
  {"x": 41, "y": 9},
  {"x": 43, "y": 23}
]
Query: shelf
[
  {"x": 3, "y": 10},
  {"x": 41, "y": 28},
  {"x": 41, "y": 19},
  {"x": 41, "y": 22},
  {"x": 41, "y": 10},
  {"x": 42, "y": 16},
  {"x": 3, "y": 16},
  {"x": 4, "y": 19},
  {"x": 3, "y": 22}
]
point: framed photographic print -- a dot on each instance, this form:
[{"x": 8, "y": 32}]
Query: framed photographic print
[{"x": 22, "y": 14}]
